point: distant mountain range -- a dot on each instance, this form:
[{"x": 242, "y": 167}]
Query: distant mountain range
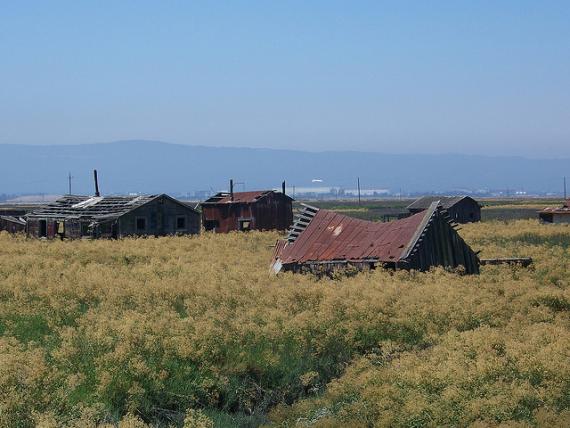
[{"x": 155, "y": 167}]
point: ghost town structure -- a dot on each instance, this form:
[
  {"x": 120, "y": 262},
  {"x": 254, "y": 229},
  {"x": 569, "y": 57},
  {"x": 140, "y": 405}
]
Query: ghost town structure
[
  {"x": 242, "y": 211},
  {"x": 462, "y": 209},
  {"x": 112, "y": 217},
  {"x": 556, "y": 214},
  {"x": 322, "y": 241}
]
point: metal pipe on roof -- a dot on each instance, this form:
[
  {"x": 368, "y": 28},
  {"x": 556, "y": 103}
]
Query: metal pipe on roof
[
  {"x": 231, "y": 189},
  {"x": 283, "y": 186},
  {"x": 96, "y": 183}
]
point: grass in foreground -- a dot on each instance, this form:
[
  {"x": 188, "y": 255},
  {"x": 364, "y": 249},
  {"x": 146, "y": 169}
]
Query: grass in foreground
[{"x": 148, "y": 329}]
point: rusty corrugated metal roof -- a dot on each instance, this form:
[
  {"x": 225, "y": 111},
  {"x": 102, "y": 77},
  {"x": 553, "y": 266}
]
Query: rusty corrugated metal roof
[
  {"x": 564, "y": 209},
  {"x": 239, "y": 197},
  {"x": 331, "y": 236}
]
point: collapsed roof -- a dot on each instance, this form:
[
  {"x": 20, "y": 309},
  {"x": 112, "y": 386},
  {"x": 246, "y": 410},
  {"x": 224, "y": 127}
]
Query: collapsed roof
[
  {"x": 322, "y": 239},
  {"x": 564, "y": 209},
  {"x": 94, "y": 208},
  {"x": 12, "y": 219}
]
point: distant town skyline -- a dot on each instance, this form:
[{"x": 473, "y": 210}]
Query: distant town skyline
[{"x": 484, "y": 78}]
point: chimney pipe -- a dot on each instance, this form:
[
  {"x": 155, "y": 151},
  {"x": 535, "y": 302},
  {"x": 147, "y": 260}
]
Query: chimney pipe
[
  {"x": 283, "y": 186},
  {"x": 96, "y": 183},
  {"x": 231, "y": 190}
]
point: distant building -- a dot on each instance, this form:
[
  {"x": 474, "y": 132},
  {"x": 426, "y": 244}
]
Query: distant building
[
  {"x": 112, "y": 217},
  {"x": 258, "y": 210},
  {"x": 462, "y": 209},
  {"x": 556, "y": 214},
  {"x": 12, "y": 224}
]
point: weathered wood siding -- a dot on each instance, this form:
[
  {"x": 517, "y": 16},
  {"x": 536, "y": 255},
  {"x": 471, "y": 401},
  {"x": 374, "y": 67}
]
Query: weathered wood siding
[
  {"x": 465, "y": 211},
  {"x": 561, "y": 218},
  {"x": 273, "y": 212},
  {"x": 160, "y": 216},
  {"x": 11, "y": 226},
  {"x": 33, "y": 228},
  {"x": 441, "y": 245}
]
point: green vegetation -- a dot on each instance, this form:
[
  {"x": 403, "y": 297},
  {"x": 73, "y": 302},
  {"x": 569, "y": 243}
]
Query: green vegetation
[{"x": 194, "y": 331}]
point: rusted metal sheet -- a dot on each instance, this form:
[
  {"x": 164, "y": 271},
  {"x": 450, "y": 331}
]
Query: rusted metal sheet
[
  {"x": 420, "y": 241},
  {"x": 556, "y": 214},
  {"x": 564, "y": 209},
  {"x": 260, "y": 210},
  {"x": 238, "y": 197},
  {"x": 333, "y": 236}
]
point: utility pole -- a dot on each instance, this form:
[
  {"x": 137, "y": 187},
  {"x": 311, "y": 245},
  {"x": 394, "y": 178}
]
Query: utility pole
[
  {"x": 69, "y": 177},
  {"x": 358, "y": 184}
]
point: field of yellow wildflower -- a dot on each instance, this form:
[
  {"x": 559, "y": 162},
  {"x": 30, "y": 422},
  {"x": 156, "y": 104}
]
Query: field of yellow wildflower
[{"x": 193, "y": 331}]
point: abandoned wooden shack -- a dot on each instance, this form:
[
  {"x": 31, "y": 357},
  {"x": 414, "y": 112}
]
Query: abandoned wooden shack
[
  {"x": 462, "y": 209},
  {"x": 322, "y": 241},
  {"x": 556, "y": 214},
  {"x": 113, "y": 217},
  {"x": 12, "y": 224},
  {"x": 242, "y": 211}
]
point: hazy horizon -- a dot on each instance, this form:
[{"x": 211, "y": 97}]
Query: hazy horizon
[
  {"x": 307, "y": 150},
  {"x": 153, "y": 167}
]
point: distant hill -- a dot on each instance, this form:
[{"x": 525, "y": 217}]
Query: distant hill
[{"x": 154, "y": 167}]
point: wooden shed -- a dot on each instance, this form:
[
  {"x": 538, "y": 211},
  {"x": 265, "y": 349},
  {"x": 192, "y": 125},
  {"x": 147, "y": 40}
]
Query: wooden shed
[
  {"x": 241, "y": 211},
  {"x": 462, "y": 209},
  {"x": 113, "y": 217},
  {"x": 322, "y": 241},
  {"x": 12, "y": 224},
  {"x": 556, "y": 214}
]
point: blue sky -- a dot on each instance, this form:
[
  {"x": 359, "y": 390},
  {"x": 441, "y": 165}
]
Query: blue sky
[{"x": 481, "y": 77}]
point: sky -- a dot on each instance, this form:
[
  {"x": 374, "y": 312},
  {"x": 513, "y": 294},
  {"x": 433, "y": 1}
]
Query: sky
[{"x": 470, "y": 77}]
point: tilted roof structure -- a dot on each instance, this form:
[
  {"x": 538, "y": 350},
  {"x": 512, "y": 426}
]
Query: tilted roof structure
[{"x": 423, "y": 240}]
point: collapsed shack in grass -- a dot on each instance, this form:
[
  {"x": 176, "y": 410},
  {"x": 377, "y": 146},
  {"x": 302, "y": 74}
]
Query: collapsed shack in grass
[
  {"x": 75, "y": 216},
  {"x": 556, "y": 214},
  {"x": 322, "y": 241}
]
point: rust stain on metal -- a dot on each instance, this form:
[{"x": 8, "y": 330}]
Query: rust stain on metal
[
  {"x": 417, "y": 242},
  {"x": 256, "y": 210}
]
